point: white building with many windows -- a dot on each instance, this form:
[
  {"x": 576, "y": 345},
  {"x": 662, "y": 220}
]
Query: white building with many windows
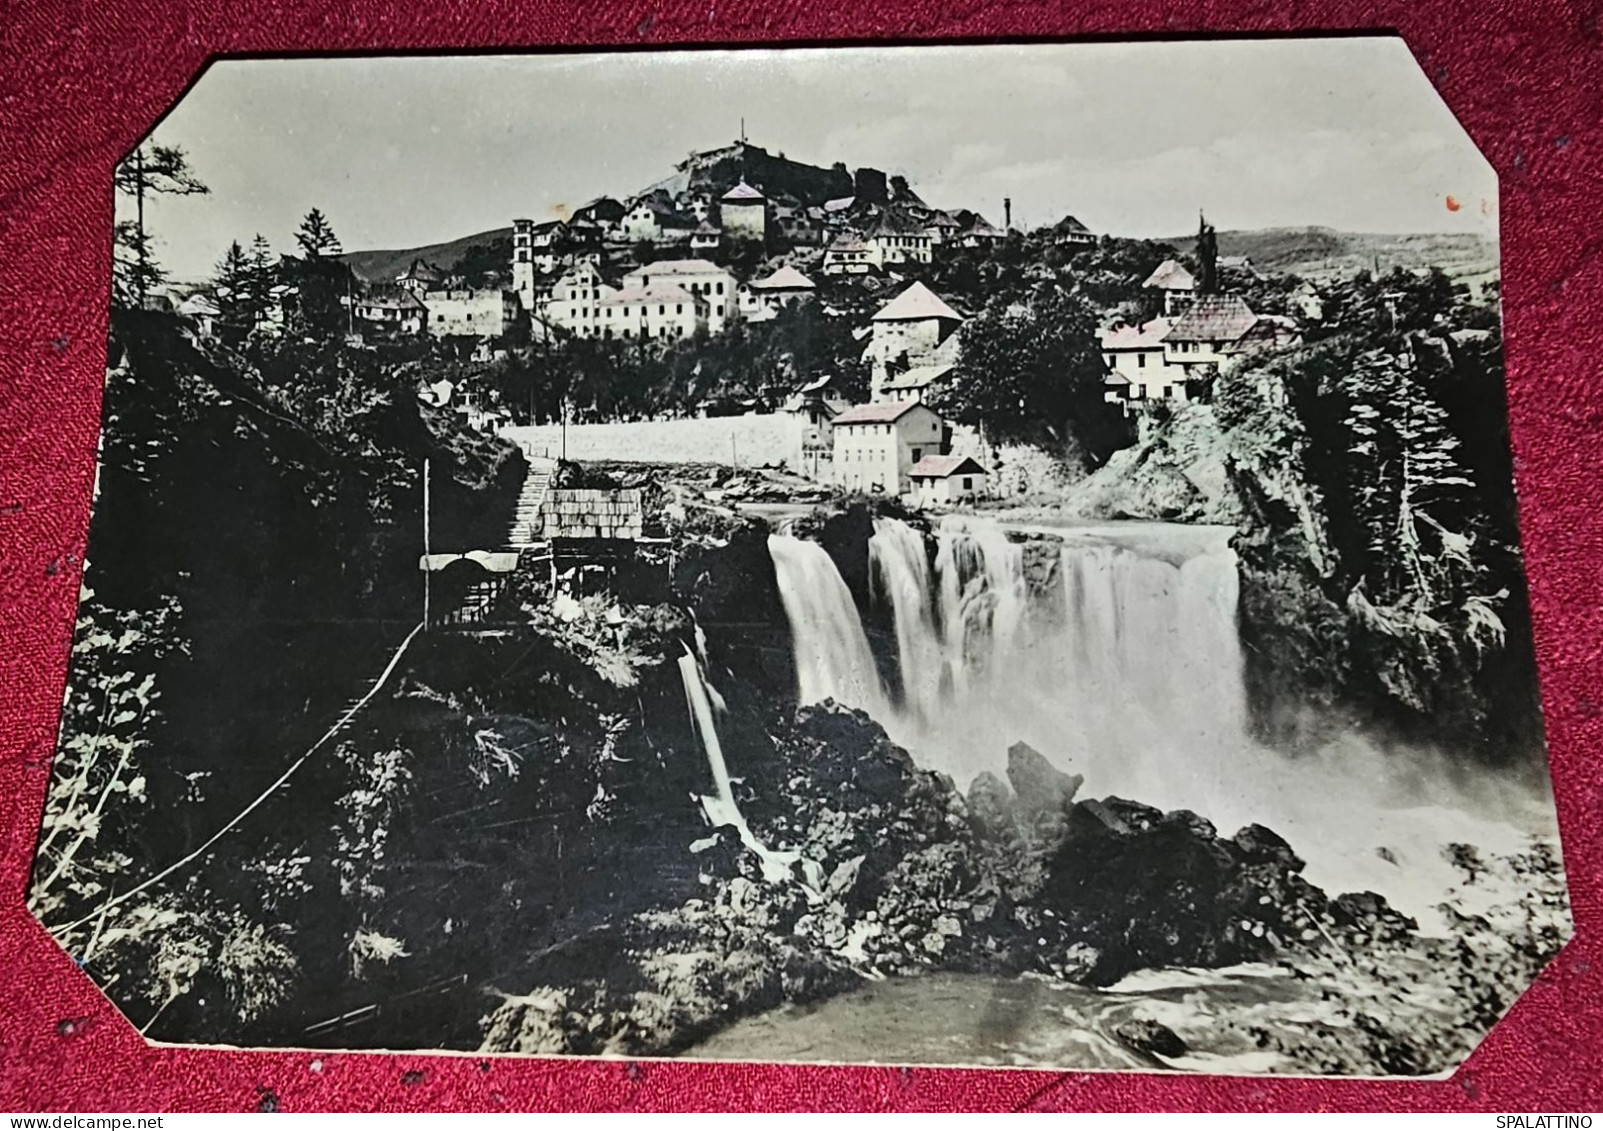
[
  {"x": 575, "y": 301},
  {"x": 1138, "y": 369},
  {"x": 876, "y": 446},
  {"x": 659, "y": 312},
  {"x": 707, "y": 281}
]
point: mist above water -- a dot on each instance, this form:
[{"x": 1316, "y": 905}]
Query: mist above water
[{"x": 1125, "y": 667}]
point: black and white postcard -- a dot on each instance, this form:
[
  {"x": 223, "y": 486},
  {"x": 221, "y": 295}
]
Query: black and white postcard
[{"x": 972, "y": 555}]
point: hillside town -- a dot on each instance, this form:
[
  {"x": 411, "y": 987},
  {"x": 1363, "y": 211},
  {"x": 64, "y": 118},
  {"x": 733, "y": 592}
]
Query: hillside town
[
  {"x": 737, "y": 239},
  {"x": 780, "y": 610}
]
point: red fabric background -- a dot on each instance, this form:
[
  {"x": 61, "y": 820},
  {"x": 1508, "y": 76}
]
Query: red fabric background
[{"x": 83, "y": 79}]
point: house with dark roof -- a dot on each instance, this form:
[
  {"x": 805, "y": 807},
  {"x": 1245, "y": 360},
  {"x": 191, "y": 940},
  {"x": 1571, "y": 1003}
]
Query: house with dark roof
[
  {"x": 1203, "y": 337},
  {"x": 942, "y": 480},
  {"x": 1069, "y": 232},
  {"x": 419, "y": 277},
  {"x": 706, "y": 238},
  {"x": 877, "y": 445},
  {"x": 979, "y": 233},
  {"x": 942, "y": 227},
  {"x": 653, "y": 218},
  {"x": 850, "y": 255},
  {"x": 603, "y": 211},
  {"x": 900, "y": 239},
  {"x": 397, "y": 311}
]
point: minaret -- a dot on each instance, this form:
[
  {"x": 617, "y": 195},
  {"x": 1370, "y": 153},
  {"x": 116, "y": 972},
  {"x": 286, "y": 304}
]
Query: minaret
[{"x": 523, "y": 262}]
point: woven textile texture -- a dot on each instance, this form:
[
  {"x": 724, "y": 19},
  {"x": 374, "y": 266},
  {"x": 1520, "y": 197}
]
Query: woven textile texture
[{"x": 83, "y": 79}]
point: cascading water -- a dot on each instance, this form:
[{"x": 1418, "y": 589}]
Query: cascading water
[
  {"x": 721, "y": 808},
  {"x": 1127, "y": 668},
  {"x": 833, "y": 660}
]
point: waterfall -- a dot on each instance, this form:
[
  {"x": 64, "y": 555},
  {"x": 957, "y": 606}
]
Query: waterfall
[
  {"x": 833, "y": 660},
  {"x": 901, "y": 572},
  {"x": 1127, "y": 667},
  {"x": 721, "y": 809}
]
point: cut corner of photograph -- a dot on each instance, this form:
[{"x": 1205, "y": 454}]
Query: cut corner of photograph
[{"x": 905, "y": 560}]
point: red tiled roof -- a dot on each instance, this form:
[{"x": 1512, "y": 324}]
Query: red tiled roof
[
  {"x": 943, "y": 467},
  {"x": 1213, "y": 318},
  {"x": 876, "y": 413}
]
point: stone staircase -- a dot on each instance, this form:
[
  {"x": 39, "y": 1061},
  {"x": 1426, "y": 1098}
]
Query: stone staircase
[{"x": 526, "y": 513}]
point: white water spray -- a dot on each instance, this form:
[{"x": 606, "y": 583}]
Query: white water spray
[
  {"x": 1126, "y": 668},
  {"x": 721, "y": 808}
]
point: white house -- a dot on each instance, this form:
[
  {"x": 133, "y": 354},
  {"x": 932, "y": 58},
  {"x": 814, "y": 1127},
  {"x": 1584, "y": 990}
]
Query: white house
[
  {"x": 1202, "y": 338},
  {"x": 915, "y": 331},
  {"x": 655, "y": 312},
  {"x": 419, "y": 277},
  {"x": 706, "y": 238},
  {"x": 817, "y": 404},
  {"x": 1069, "y": 232},
  {"x": 764, "y": 298},
  {"x": 941, "y": 480},
  {"x": 654, "y": 221},
  {"x": 1308, "y": 302},
  {"x": 486, "y": 313},
  {"x": 707, "y": 281},
  {"x": 399, "y": 313},
  {"x": 1138, "y": 369},
  {"x": 981, "y": 233},
  {"x": 743, "y": 212},
  {"x": 575, "y": 302},
  {"x": 1176, "y": 284},
  {"x": 877, "y": 445},
  {"x": 848, "y": 255},
  {"x": 200, "y": 309},
  {"x": 901, "y": 240}
]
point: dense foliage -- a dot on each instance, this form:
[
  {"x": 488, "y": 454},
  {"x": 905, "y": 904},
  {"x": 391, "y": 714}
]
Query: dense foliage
[
  {"x": 262, "y": 503},
  {"x": 1382, "y": 547},
  {"x": 744, "y": 367},
  {"x": 1030, "y": 372}
]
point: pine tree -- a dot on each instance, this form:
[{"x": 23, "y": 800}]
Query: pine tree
[
  {"x": 1207, "y": 257},
  {"x": 317, "y": 238},
  {"x": 1410, "y": 487},
  {"x": 263, "y": 274},
  {"x": 162, "y": 170},
  {"x": 233, "y": 285}
]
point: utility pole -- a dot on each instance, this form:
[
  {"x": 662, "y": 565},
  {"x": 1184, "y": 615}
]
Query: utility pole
[{"x": 426, "y": 569}]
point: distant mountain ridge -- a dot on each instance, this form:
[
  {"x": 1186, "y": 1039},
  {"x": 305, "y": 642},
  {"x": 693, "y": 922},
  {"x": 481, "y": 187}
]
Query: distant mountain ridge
[
  {"x": 383, "y": 265},
  {"x": 1318, "y": 252}
]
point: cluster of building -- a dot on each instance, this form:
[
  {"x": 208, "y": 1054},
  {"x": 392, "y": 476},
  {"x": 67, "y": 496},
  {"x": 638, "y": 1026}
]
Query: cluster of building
[
  {"x": 1169, "y": 359},
  {"x": 896, "y": 444}
]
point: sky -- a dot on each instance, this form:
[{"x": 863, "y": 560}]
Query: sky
[{"x": 1132, "y": 138}]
